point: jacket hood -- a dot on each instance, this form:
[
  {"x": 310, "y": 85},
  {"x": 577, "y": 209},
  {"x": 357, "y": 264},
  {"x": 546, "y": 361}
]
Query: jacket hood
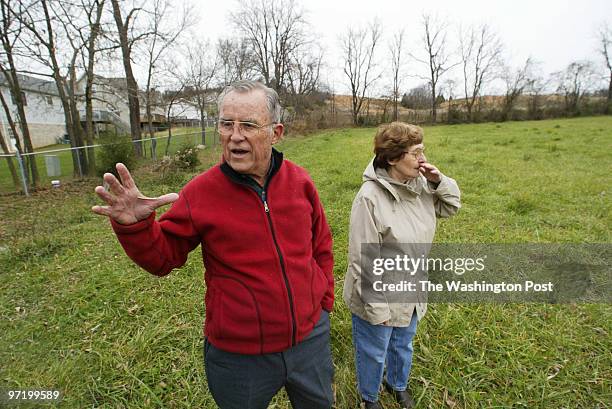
[{"x": 380, "y": 176}]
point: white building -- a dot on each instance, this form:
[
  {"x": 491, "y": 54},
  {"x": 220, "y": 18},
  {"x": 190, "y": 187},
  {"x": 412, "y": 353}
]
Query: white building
[
  {"x": 43, "y": 109},
  {"x": 186, "y": 113},
  {"x": 45, "y": 115},
  {"x": 110, "y": 104}
]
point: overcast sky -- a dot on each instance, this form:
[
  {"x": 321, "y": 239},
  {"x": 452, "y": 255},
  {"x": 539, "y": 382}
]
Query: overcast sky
[{"x": 555, "y": 33}]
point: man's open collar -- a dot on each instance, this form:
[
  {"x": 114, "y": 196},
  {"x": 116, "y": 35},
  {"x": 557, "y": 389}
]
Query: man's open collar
[{"x": 275, "y": 165}]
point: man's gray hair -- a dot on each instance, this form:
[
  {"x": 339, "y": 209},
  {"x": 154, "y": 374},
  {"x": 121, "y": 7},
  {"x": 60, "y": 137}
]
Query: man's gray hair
[{"x": 246, "y": 86}]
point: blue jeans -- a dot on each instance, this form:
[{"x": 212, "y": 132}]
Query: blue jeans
[{"x": 377, "y": 345}]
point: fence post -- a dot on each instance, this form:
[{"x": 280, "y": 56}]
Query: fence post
[{"x": 22, "y": 172}]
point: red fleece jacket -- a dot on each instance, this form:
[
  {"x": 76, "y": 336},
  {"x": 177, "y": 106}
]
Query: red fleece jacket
[{"x": 268, "y": 273}]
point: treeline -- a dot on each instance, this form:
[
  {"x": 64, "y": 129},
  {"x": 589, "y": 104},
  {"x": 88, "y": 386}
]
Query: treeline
[
  {"x": 563, "y": 94},
  {"x": 154, "y": 46}
]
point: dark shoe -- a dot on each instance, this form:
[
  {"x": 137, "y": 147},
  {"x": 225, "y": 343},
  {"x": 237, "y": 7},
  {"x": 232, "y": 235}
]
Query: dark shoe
[
  {"x": 370, "y": 405},
  {"x": 402, "y": 397}
]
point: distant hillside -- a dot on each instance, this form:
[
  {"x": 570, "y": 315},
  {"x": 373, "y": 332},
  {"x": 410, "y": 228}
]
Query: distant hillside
[{"x": 378, "y": 105}]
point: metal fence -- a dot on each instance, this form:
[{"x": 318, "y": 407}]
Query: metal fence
[{"x": 61, "y": 165}]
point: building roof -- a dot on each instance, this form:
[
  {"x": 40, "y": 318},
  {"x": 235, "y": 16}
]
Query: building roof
[
  {"x": 116, "y": 82},
  {"x": 33, "y": 84}
]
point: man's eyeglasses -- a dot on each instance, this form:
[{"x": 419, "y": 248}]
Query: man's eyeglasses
[
  {"x": 416, "y": 154},
  {"x": 226, "y": 127}
]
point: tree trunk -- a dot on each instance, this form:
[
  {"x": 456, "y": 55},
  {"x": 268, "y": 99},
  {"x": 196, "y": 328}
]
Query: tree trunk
[
  {"x": 355, "y": 111},
  {"x": 9, "y": 161},
  {"x": 470, "y": 104},
  {"x": 508, "y": 104},
  {"x": 149, "y": 120},
  {"x": 15, "y": 88},
  {"x": 13, "y": 127},
  {"x": 609, "y": 100},
  {"x": 132, "y": 85},
  {"x": 68, "y": 118},
  {"x": 89, "y": 125},
  {"x": 65, "y": 91},
  {"x": 76, "y": 122},
  {"x": 434, "y": 112},
  {"x": 169, "y": 137},
  {"x": 31, "y": 168},
  {"x": 203, "y": 125}
]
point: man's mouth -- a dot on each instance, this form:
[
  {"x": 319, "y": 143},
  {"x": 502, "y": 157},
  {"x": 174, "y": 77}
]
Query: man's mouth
[{"x": 239, "y": 151}]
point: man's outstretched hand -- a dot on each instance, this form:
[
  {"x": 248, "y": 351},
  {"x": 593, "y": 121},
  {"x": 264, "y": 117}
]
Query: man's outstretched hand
[{"x": 126, "y": 205}]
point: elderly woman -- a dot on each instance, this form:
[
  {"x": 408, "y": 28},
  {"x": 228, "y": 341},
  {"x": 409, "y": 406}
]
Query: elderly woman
[{"x": 399, "y": 200}]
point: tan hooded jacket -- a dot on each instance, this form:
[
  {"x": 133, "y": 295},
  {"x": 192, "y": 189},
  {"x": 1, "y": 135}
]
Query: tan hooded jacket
[{"x": 388, "y": 211}]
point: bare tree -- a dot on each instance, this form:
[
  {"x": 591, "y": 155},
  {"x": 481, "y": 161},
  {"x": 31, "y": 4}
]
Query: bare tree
[
  {"x": 535, "y": 89},
  {"x": 303, "y": 76},
  {"x": 166, "y": 24},
  {"x": 516, "y": 82},
  {"x": 418, "y": 97},
  {"x": 93, "y": 10},
  {"x": 235, "y": 59},
  {"x": 385, "y": 101},
  {"x": 275, "y": 29},
  {"x": 573, "y": 83},
  {"x": 395, "y": 47},
  {"x": 10, "y": 35},
  {"x": 171, "y": 99},
  {"x": 55, "y": 44},
  {"x": 437, "y": 59},
  {"x": 449, "y": 86},
  {"x": 605, "y": 40},
  {"x": 481, "y": 51},
  {"x": 5, "y": 148},
  {"x": 127, "y": 39},
  {"x": 198, "y": 79},
  {"x": 358, "y": 49}
]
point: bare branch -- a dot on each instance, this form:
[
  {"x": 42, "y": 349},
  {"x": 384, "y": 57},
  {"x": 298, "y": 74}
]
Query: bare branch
[
  {"x": 276, "y": 31},
  {"x": 437, "y": 60},
  {"x": 605, "y": 40},
  {"x": 481, "y": 52},
  {"x": 358, "y": 48},
  {"x": 396, "y": 48}
]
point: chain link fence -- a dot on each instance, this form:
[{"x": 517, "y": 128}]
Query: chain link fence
[{"x": 57, "y": 165}]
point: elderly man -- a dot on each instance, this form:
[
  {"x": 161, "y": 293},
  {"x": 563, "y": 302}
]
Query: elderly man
[{"x": 267, "y": 251}]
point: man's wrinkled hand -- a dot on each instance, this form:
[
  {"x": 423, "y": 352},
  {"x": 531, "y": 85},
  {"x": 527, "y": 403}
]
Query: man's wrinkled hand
[{"x": 125, "y": 203}]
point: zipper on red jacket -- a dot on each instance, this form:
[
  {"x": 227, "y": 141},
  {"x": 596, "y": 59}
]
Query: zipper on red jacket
[
  {"x": 277, "y": 159},
  {"x": 282, "y": 264}
]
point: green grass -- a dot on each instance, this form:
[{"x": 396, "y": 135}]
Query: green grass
[{"x": 78, "y": 316}]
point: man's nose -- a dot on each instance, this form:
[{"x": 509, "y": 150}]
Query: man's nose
[{"x": 236, "y": 134}]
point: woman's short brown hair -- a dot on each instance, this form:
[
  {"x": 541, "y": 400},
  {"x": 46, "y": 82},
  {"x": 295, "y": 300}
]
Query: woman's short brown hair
[{"x": 392, "y": 140}]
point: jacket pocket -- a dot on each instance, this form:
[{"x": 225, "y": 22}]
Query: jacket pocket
[
  {"x": 318, "y": 284},
  {"x": 234, "y": 311},
  {"x": 213, "y": 313}
]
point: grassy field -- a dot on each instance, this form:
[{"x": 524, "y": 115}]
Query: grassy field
[
  {"x": 78, "y": 316},
  {"x": 180, "y": 137}
]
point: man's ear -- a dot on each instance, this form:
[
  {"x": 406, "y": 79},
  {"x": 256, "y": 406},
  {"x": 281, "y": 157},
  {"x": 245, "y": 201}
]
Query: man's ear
[{"x": 277, "y": 133}]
